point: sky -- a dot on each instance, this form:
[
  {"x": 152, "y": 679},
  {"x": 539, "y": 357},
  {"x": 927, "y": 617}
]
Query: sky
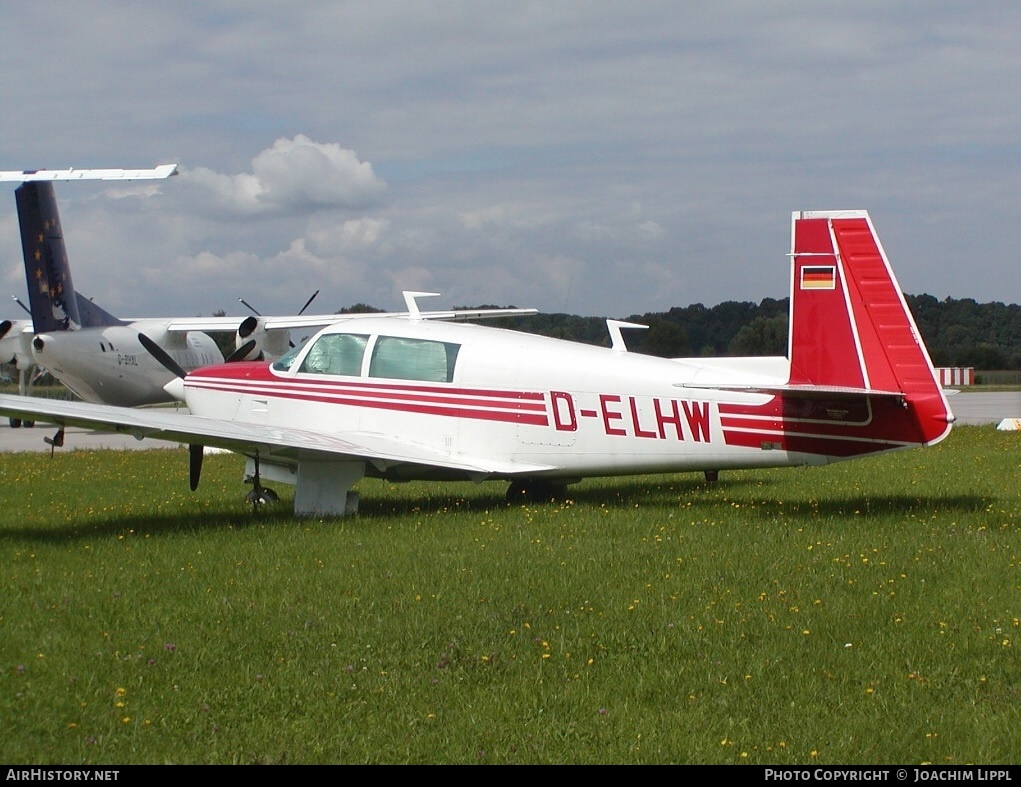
[{"x": 596, "y": 158}]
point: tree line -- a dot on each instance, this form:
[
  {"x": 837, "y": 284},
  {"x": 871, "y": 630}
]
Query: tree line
[{"x": 957, "y": 332}]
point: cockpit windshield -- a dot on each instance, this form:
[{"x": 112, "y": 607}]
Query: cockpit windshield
[{"x": 286, "y": 361}]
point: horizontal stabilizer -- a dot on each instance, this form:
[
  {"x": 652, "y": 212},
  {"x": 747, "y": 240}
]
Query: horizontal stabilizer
[{"x": 801, "y": 391}]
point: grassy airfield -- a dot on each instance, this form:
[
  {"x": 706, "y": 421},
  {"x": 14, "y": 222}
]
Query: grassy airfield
[{"x": 867, "y": 612}]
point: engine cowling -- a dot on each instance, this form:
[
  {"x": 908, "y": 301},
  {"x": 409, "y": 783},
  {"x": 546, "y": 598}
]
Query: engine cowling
[
  {"x": 253, "y": 342},
  {"x": 16, "y": 343}
]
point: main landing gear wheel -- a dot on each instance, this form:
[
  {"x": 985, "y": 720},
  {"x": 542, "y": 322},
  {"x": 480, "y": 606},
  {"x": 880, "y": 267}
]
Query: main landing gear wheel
[{"x": 535, "y": 492}]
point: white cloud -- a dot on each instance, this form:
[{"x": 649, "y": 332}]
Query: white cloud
[
  {"x": 363, "y": 235},
  {"x": 291, "y": 176}
]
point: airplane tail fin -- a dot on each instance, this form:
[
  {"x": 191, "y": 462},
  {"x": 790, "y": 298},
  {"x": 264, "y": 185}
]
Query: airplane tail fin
[
  {"x": 54, "y": 304},
  {"x": 851, "y": 328}
]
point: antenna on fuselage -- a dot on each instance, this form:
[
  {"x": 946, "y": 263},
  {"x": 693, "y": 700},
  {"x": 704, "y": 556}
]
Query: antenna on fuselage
[
  {"x": 616, "y": 337},
  {"x": 410, "y": 299}
]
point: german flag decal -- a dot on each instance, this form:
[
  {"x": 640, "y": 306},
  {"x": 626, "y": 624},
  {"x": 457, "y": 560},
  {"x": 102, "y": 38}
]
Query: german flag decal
[{"x": 818, "y": 277}]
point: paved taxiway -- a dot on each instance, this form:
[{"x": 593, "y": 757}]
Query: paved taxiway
[
  {"x": 981, "y": 407},
  {"x": 970, "y": 407}
]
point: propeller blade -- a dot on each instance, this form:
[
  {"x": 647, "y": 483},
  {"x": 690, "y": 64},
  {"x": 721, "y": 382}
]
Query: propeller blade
[
  {"x": 22, "y": 305},
  {"x": 162, "y": 356},
  {"x": 308, "y": 303},
  {"x": 240, "y": 353},
  {"x": 195, "y": 454},
  {"x": 250, "y": 307},
  {"x": 5, "y": 326}
]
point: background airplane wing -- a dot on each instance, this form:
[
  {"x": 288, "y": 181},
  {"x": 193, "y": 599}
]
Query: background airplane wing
[
  {"x": 271, "y": 323},
  {"x": 27, "y": 175},
  {"x": 273, "y": 443}
]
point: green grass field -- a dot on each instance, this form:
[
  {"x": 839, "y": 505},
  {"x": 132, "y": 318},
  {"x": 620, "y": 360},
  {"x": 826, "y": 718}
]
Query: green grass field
[{"x": 867, "y": 612}]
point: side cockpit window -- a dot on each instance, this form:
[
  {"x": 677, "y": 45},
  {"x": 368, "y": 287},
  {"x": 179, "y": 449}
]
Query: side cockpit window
[
  {"x": 413, "y": 359},
  {"x": 336, "y": 353}
]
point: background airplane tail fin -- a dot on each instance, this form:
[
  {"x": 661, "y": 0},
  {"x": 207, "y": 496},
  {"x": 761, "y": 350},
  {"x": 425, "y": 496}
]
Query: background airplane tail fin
[
  {"x": 52, "y": 299},
  {"x": 850, "y": 325}
]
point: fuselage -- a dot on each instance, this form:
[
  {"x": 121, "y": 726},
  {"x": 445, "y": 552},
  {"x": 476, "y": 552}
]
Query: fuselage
[
  {"x": 109, "y": 365},
  {"x": 468, "y": 390}
]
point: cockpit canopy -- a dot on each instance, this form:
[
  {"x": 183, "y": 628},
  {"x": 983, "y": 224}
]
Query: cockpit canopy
[{"x": 390, "y": 357}]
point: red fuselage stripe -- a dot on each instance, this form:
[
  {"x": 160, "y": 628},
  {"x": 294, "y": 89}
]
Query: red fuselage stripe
[
  {"x": 329, "y": 393},
  {"x": 327, "y": 384},
  {"x": 455, "y": 408}
]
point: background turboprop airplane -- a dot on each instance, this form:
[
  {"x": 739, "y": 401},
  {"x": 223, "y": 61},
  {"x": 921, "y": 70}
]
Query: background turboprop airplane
[
  {"x": 108, "y": 360},
  {"x": 95, "y": 354},
  {"x": 405, "y": 398}
]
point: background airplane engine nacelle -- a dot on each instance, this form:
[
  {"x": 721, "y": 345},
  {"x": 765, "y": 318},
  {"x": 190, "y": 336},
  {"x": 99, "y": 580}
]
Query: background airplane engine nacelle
[
  {"x": 8, "y": 342},
  {"x": 16, "y": 343},
  {"x": 253, "y": 342}
]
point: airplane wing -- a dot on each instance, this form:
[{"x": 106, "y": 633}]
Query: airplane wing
[
  {"x": 274, "y": 443},
  {"x": 230, "y": 324},
  {"x": 26, "y": 175}
]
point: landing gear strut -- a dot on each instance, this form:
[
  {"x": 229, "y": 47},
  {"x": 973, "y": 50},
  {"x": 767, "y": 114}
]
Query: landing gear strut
[
  {"x": 25, "y": 381},
  {"x": 260, "y": 495}
]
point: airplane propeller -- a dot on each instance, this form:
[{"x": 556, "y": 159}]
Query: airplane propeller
[
  {"x": 196, "y": 452},
  {"x": 162, "y": 356},
  {"x": 249, "y": 324},
  {"x": 301, "y": 311},
  {"x": 242, "y": 351},
  {"x": 5, "y": 326}
]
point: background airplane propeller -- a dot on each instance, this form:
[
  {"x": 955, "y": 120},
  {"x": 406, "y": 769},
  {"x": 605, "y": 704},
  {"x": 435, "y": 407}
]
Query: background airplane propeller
[
  {"x": 162, "y": 356},
  {"x": 250, "y": 324}
]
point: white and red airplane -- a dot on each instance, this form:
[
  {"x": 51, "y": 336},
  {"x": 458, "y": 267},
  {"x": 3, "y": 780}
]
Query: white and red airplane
[{"x": 406, "y": 398}]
